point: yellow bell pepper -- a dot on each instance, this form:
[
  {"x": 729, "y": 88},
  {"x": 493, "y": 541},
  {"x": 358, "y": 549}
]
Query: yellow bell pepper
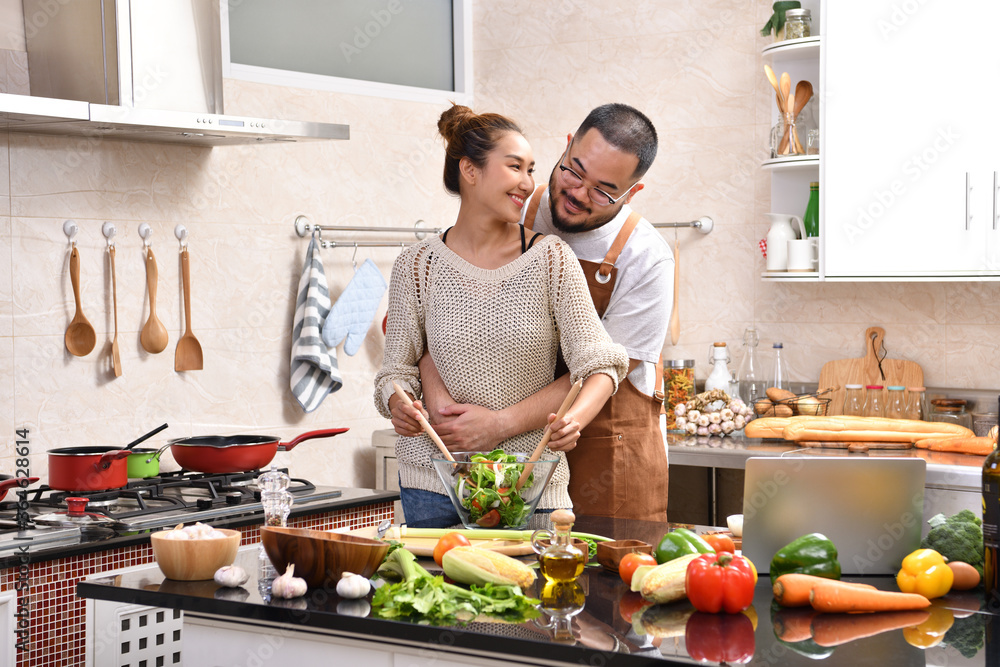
[{"x": 926, "y": 573}]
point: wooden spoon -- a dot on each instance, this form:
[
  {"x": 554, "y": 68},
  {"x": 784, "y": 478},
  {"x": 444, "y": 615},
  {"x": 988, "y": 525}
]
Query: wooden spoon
[
  {"x": 783, "y": 146},
  {"x": 188, "y": 355},
  {"x": 675, "y": 314},
  {"x": 803, "y": 93},
  {"x": 574, "y": 391},
  {"x": 774, "y": 84},
  {"x": 786, "y": 87},
  {"x": 153, "y": 336},
  {"x": 428, "y": 429},
  {"x": 116, "y": 360},
  {"x": 80, "y": 335}
]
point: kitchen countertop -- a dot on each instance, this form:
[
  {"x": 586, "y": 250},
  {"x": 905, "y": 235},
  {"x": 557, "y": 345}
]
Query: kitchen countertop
[
  {"x": 599, "y": 628},
  {"x": 95, "y": 539}
]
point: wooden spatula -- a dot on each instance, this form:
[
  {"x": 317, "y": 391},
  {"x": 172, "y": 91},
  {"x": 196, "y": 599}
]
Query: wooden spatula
[
  {"x": 116, "y": 360},
  {"x": 187, "y": 356},
  {"x": 567, "y": 402},
  {"x": 428, "y": 429}
]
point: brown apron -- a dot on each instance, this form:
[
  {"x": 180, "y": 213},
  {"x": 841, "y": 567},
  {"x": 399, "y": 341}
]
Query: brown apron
[{"x": 619, "y": 466}]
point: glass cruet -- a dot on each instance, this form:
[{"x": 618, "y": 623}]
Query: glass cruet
[
  {"x": 277, "y": 503},
  {"x": 559, "y": 560},
  {"x": 750, "y": 374}
]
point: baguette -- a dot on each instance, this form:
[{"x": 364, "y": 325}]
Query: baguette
[
  {"x": 766, "y": 427},
  {"x": 844, "y": 428},
  {"x": 977, "y": 446}
]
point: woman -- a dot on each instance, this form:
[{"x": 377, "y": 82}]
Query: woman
[{"x": 492, "y": 307}]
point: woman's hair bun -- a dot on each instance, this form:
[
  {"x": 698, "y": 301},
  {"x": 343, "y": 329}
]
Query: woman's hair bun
[{"x": 454, "y": 120}]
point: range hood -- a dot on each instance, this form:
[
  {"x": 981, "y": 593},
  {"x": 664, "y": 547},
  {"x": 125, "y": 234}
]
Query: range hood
[{"x": 140, "y": 71}]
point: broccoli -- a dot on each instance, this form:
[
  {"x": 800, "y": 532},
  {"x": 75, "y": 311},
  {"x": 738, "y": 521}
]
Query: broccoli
[
  {"x": 967, "y": 635},
  {"x": 957, "y": 538}
]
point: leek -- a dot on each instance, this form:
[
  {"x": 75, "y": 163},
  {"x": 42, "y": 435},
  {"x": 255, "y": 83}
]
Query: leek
[{"x": 401, "y": 532}]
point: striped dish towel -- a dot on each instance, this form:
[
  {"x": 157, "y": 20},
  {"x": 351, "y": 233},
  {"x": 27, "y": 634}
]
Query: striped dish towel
[{"x": 314, "y": 366}]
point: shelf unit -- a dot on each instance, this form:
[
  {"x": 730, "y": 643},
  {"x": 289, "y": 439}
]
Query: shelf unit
[{"x": 791, "y": 175}]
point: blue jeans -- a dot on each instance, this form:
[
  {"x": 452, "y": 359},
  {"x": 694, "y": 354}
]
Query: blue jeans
[{"x": 426, "y": 509}]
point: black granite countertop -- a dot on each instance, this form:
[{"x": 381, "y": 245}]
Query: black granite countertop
[
  {"x": 97, "y": 538},
  {"x": 606, "y": 631}
]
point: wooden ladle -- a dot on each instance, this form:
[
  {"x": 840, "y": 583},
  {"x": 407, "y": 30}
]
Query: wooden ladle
[
  {"x": 188, "y": 356},
  {"x": 80, "y": 335},
  {"x": 153, "y": 336}
]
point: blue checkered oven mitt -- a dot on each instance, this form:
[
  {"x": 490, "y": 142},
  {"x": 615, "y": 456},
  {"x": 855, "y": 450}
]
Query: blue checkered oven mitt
[
  {"x": 314, "y": 371},
  {"x": 351, "y": 316}
]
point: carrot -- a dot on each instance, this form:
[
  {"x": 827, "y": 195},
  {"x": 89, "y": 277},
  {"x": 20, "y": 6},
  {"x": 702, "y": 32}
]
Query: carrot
[
  {"x": 835, "y": 629},
  {"x": 965, "y": 445},
  {"x": 793, "y": 624},
  {"x": 838, "y": 596},
  {"x": 792, "y": 590}
]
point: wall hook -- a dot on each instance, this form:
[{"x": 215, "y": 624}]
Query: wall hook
[
  {"x": 181, "y": 232},
  {"x": 70, "y": 229},
  {"x": 146, "y": 232},
  {"x": 109, "y": 230},
  {"x": 354, "y": 262}
]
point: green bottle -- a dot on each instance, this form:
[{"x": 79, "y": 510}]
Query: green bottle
[{"x": 811, "y": 219}]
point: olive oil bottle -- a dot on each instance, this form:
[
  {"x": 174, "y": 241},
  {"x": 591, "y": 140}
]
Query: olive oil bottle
[
  {"x": 560, "y": 561},
  {"x": 991, "y": 529}
]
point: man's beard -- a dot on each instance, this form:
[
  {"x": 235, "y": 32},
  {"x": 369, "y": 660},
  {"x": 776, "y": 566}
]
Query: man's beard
[{"x": 563, "y": 225}]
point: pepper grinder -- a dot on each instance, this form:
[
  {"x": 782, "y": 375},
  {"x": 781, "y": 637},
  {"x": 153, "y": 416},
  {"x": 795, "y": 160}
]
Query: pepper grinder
[{"x": 277, "y": 502}]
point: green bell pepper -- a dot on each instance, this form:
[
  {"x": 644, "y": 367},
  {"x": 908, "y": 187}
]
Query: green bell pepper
[
  {"x": 810, "y": 554},
  {"x": 680, "y": 542}
]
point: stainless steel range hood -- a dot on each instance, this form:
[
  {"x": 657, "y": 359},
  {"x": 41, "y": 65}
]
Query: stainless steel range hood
[{"x": 136, "y": 70}]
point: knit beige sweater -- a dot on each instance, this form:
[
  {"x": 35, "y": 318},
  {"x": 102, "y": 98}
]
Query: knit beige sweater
[{"x": 493, "y": 335}]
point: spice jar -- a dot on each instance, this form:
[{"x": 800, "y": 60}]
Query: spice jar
[
  {"x": 950, "y": 410},
  {"x": 798, "y": 23},
  {"x": 982, "y": 422},
  {"x": 916, "y": 403},
  {"x": 895, "y": 403},
  {"x": 873, "y": 400},
  {"x": 678, "y": 387},
  {"x": 854, "y": 401}
]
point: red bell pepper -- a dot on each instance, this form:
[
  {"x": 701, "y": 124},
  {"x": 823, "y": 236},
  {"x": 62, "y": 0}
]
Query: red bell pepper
[
  {"x": 719, "y": 581},
  {"x": 727, "y": 638}
]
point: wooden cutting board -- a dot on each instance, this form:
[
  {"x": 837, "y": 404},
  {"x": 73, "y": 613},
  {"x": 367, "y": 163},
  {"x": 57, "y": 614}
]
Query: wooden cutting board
[
  {"x": 424, "y": 546},
  {"x": 865, "y": 370}
]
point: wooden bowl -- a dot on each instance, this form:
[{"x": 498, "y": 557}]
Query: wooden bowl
[
  {"x": 320, "y": 557},
  {"x": 610, "y": 554},
  {"x": 194, "y": 560}
]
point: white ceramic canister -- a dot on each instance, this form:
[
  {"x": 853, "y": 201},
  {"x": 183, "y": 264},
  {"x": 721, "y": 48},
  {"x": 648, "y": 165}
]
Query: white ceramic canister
[{"x": 778, "y": 236}]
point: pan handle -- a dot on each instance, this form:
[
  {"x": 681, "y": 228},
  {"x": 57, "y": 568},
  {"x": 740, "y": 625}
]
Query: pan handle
[
  {"x": 16, "y": 481},
  {"x": 322, "y": 433},
  {"x": 108, "y": 457}
]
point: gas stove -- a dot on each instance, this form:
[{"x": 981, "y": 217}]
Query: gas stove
[{"x": 143, "y": 504}]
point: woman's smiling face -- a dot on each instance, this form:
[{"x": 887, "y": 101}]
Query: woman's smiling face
[{"x": 507, "y": 179}]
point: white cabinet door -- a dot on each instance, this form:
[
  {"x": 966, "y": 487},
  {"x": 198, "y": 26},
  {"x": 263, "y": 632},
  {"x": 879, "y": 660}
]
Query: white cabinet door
[{"x": 907, "y": 125}]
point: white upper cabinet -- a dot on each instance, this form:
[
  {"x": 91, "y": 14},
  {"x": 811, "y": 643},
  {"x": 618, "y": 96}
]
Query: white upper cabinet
[{"x": 911, "y": 148}]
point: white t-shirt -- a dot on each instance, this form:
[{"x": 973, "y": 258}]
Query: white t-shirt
[{"x": 638, "y": 313}]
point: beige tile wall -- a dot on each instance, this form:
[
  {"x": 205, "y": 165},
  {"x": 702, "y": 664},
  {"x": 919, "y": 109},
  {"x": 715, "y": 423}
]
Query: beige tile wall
[{"x": 694, "y": 67}]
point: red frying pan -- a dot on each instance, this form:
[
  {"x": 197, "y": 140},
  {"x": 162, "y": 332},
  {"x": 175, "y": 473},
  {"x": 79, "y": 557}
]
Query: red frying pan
[
  {"x": 235, "y": 453},
  {"x": 11, "y": 482}
]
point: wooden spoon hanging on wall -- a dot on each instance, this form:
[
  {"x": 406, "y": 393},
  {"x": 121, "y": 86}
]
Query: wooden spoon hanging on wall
[
  {"x": 80, "y": 335},
  {"x": 188, "y": 356},
  {"x": 153, "y": 336},
  {"x": 675, "y": 314}
]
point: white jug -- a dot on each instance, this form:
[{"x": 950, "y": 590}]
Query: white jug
[{"x": 778, "y": 236}]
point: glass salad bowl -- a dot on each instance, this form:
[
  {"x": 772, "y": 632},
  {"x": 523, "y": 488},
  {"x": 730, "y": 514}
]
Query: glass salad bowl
[{"x": 482, "y": 487}]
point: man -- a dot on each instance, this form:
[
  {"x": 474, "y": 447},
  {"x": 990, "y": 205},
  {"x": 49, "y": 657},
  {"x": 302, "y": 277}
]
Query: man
[{"x": 618, "y": 467}]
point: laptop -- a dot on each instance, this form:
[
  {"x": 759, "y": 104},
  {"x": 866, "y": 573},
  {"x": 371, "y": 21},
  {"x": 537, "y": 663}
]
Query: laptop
[{"x": 871, "y": 508}]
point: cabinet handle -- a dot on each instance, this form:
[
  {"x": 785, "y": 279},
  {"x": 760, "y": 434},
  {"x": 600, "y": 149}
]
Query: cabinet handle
[{"x": 968, "y": 189}]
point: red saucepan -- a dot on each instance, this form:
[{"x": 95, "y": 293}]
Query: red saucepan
[
  {"x": 235, "y": 453},
  {"x": 10, "y": 482},
  {"x": 88, "y": 468}
]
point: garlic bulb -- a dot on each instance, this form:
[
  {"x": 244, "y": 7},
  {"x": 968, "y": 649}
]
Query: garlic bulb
[
  {"x": 288, "y": 586},
  {"x": 353, "y": 586},
  {"x": 231, "y": 576}
]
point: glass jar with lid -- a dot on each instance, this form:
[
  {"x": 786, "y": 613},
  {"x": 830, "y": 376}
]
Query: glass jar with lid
[
  {"x": 678, "y": 387},
  {"x": 873, "y": 401},
  {"x": 798, "y": 23},
  {"x": 916, "y": 403},
  {"x": 854, "y": 400},
  {"x": 950, "y": 410},
  {"x": 895, "y": 402}
]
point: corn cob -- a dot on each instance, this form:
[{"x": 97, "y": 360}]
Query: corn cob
[{"x": 471, "y": 565}]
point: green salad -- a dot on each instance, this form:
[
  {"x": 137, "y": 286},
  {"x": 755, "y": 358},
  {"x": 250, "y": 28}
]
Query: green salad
[{"x": 487, "y": 490}]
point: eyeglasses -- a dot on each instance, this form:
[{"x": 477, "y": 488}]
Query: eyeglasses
[{"x": 597, "y": 195}]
